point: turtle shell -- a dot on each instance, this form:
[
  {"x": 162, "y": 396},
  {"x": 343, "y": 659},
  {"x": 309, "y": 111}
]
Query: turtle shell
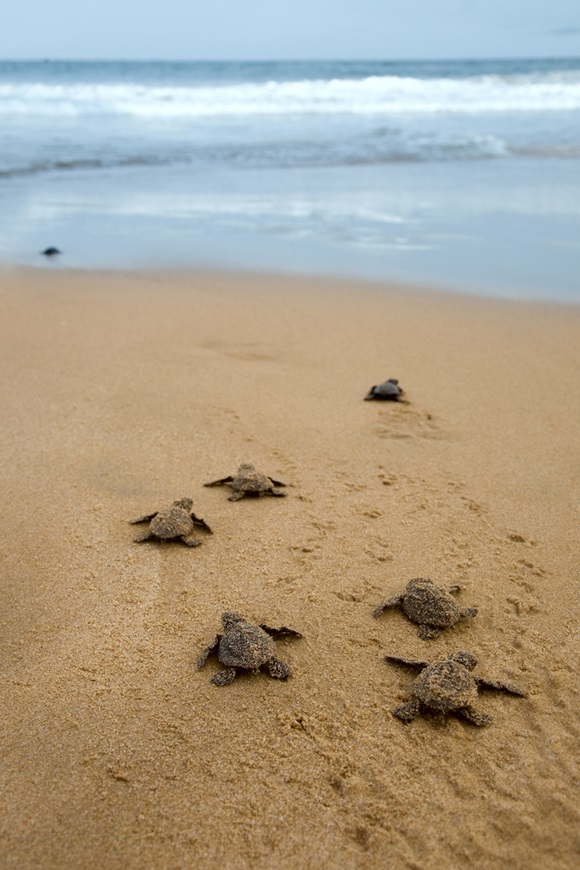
[
  {"x": 171, "y": 523},
  {"x": 245, "y": 646},
  {"x": 427, "y": 604},
  {"x": 251, "y": 481},
  {"x": 446, "y": 686},
  {"x": 388, "y": 388}
]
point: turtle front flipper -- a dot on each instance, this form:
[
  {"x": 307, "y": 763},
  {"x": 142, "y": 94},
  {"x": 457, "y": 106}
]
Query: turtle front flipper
[
  {"x": 207, "y": 651},
  {"x": 389, "y": 602},
  {"x": 277, "y": 669},
  {"x": 411, "y": 663},
  {"x": 500, "y": 686},
  {"x": 221, "y": 482},
  {"x": 428, "y": 632},
  {"x": 197, "y": 521},
  {"x": 278, "y": 483},
  {"x": 474, "y": 716},
  {"x": 407, "y": 712},
  {"x": 146, "y": 536},
  {"x": 225, "y": 677},
  {"x": 283, "y": 631},
  {"x": 146, "y": 518}
]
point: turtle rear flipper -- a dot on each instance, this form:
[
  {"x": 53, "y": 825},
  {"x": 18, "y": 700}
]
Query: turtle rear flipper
[
  {"x": 389, "y": 602},
  {"x": 236, "y": 496},
  {"x": 140, "y": 539},
  {"x": 277, "y": 669},
  {"x": 221, "y": 482},
  {"x": 225, "y": 677},
  {"x": 407, "y": 712},
  {"x": 428, "y": 632},
  {"x": 468, "y": 613},
  {"x": 275, "y": 492},
  {"x": 474, "y": 716},
  {"x": 500, "y": 686},
  {"x": 283, "y": 631},
  {"x": 146, "y": 518},
  {"x": 278, "y": 483},
  {"x": 190, "y": 541},
  {"x": 207, "y": 651}
]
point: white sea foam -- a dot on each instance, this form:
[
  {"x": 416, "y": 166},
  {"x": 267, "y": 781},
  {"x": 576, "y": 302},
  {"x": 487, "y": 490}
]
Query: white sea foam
[{"x": 374, "y": 95}]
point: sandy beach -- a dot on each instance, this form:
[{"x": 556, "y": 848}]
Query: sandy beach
[{"x": 124, "y": 391}]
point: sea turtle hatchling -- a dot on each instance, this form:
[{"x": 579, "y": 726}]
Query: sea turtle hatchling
[
  {"x": 389, "y": 391},
  {"x": 174, "y": 523},
  {"x": 244, "y": 646},
  {"x": 430, "y": 606},
  {"x": 448, "y": 686},
  {"x": 249, "y": 482}
]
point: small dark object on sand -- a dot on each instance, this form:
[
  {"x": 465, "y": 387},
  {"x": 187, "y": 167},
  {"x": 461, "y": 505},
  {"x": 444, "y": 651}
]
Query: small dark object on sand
[
  {"x": 174, "y": 523},
  {"x": 248, "y": 647},
  {"x": 249, "y": 482},
  {"x": 389, "y": 391},
  {"x": 447, "y": 686},
  {"x": 431, "y": 607},
  {"x": 51, "y": 252}
]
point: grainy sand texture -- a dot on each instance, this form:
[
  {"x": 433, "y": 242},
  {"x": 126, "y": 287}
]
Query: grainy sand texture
[{"x": 123, "y": 392}]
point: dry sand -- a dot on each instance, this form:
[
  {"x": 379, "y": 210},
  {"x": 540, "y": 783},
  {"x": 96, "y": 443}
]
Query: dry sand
[{"x": 122, "y": 392}]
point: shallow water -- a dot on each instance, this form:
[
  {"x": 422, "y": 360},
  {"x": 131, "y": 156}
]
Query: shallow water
[{"x": 464, "y": 174}]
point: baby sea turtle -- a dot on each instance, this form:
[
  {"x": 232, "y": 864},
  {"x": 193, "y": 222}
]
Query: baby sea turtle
[
  {"x": 174, "y": 523},
  {"x": 428, "y": 605},
  {"x": 244, "y": 646},
  {"x": 389, "y": 391},
  {"x": 447, "y": 686},
  {"x": 51, "y": 252},
  {"x": 249, "y": 482}
]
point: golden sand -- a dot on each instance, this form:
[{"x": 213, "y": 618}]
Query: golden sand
[{"x": 123, "y": 392}]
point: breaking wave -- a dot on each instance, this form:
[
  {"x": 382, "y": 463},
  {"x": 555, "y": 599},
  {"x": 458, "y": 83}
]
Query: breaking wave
[{"x": 373, "y": 95}]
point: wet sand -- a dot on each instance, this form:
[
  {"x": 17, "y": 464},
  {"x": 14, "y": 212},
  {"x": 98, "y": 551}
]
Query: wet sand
[{"x": 123, "y": 391}]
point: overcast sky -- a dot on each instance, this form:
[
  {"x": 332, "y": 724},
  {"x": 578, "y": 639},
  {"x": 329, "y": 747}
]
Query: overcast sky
[{"x": 289, "y": 29}]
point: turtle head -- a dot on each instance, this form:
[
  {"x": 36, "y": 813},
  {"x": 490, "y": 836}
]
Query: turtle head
[
  {"x": 246, "y": 467},
  {"x": 230, "y": 618},
  {"x": 185, "y": 503},
  {"x": 419, "y": 583},
  {"x": 464, "y": 658}
]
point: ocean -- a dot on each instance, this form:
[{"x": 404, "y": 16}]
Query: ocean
[{"x": 462, "y": 174}]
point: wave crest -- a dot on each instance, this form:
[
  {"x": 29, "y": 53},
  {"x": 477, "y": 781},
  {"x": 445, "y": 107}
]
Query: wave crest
[{"x": 374, "y": 95}]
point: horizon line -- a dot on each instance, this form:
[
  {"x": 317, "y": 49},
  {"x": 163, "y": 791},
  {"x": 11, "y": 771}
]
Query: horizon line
[{"x": 290, "y": 60}]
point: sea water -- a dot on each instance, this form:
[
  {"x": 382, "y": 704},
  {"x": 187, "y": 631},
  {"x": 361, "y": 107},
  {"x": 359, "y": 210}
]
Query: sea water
[{"x": 461, "y": 174}]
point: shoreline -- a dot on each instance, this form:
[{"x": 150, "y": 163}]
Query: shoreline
[
  {"x": 125, "y": 390},
  {"x": 171, "y": 217},
  {"x": 324, "y": 281}
]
